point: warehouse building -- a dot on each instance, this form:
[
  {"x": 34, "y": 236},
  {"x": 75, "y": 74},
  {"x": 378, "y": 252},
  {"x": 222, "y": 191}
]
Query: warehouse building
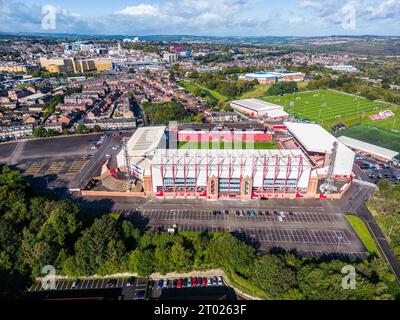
[
  {"x": 260, "y": 109},
  {"x": 295, "y": 169}
]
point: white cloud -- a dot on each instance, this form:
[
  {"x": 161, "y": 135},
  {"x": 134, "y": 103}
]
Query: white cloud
[
  {"x": 385, "y": 9},
  {"x": 140, "y": 10},
  {"x": 307, "y": 4}
]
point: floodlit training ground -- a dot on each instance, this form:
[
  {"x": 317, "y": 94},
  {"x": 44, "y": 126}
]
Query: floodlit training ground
[{"x": 330, "y": 107}]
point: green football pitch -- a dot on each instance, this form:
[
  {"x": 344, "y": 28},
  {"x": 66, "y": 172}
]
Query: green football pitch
[{"x": 329, "y": 107}]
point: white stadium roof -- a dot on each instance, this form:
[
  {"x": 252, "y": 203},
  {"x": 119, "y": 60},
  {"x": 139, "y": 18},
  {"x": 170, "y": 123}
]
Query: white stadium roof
[
  {"x": 314, "y": 138},
  {"x": 256, "y": 105},
  {"x": 145, "y": 140},
  {"x": 368, "y": 148}
]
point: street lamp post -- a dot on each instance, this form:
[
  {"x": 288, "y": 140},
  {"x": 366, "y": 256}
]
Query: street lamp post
[{"x": 339, "y": 238}]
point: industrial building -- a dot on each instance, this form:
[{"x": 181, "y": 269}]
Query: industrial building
[
  {"x": 308, "y": 162},
  {"x": 260, "y": 109},
  {"x": 69, "y": 65},
  {"x": 267, "y": 77}
]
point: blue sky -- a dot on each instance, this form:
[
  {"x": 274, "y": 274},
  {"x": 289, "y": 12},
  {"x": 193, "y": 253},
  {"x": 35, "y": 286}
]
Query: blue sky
[{"x": 207, "y": 17}]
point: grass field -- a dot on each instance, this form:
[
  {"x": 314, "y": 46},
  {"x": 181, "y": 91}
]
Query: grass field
[
  {"x": 214, "y": 93},
  {"x": 363, "y": 233},
  {"x": 221, "y": 145},
  {"x": 329, "y": 107},
  {"x": 257, "y": 92},
  {"x": 390, "y": 224}
]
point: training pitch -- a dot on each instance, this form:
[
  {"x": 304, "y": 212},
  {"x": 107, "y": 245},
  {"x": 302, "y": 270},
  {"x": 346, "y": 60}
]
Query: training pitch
[{"x": 329, "y": 107}]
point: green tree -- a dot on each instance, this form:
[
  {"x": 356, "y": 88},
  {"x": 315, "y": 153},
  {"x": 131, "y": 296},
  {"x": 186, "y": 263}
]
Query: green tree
[
  {"x": 272, "y": 274},
  {"x": 81, "y": 128},
  {"x": 142, "y": 262},
  {"x": 229, "y": 253},
  {"x": 182, "y": 258}
]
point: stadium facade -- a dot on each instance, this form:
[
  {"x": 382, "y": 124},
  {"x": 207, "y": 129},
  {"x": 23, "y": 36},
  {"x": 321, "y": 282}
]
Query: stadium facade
[{"x": 296, "y": 168}]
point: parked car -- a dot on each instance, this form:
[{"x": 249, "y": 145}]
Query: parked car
[
  {"x": 111, "y": 283},
  {"x": 160, "y": 284},
  {"x": 251, "y": 213},
  {"x": 184, "y": 282},
  {"x": 220, "y": 282},
  {"x": 75, "y": 283},
  {"x": 365, "y": 166},
  {"x": 179, "y": 284},
  {"x": 209, "y": 282},
  {"x": 215, "y": 281},
  {"x": 165, "y": 283},
  {"x": 174, "y": 283},
  {"x": 199, "y": 281},
  {"x": 140, "y": 295},
  {"x": 189, "y": 282},
  {"x": 194, "y": 282},
  {"x": 204, "y": 282},
  {"x": 130, "y": 281}
]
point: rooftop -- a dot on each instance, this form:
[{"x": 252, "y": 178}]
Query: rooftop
[
  {"x": 368, "y": 148},
  {"x": 145, "y": 140},
  {"x": 256, "y": 105}
]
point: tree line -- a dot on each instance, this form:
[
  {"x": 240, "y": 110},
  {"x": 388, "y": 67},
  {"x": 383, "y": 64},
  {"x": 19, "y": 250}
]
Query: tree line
[{"x": 38, "y": 230}]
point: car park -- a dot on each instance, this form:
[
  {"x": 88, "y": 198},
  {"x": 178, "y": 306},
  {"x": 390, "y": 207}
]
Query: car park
[
  {"x": 226, "y": 211},
  {"x": 290, "y": 213},
  {"x": 267, "y": 212},
  {"x": 130, "y": 281},
  {"x": 260, "y": 213}
]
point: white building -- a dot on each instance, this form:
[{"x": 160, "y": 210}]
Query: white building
[
  {"x": 343, "y": 68},
  {"x": 259, "y": 108},
  {"x": 372, "y": 150},
  {"x": 317, "y": 142}
]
